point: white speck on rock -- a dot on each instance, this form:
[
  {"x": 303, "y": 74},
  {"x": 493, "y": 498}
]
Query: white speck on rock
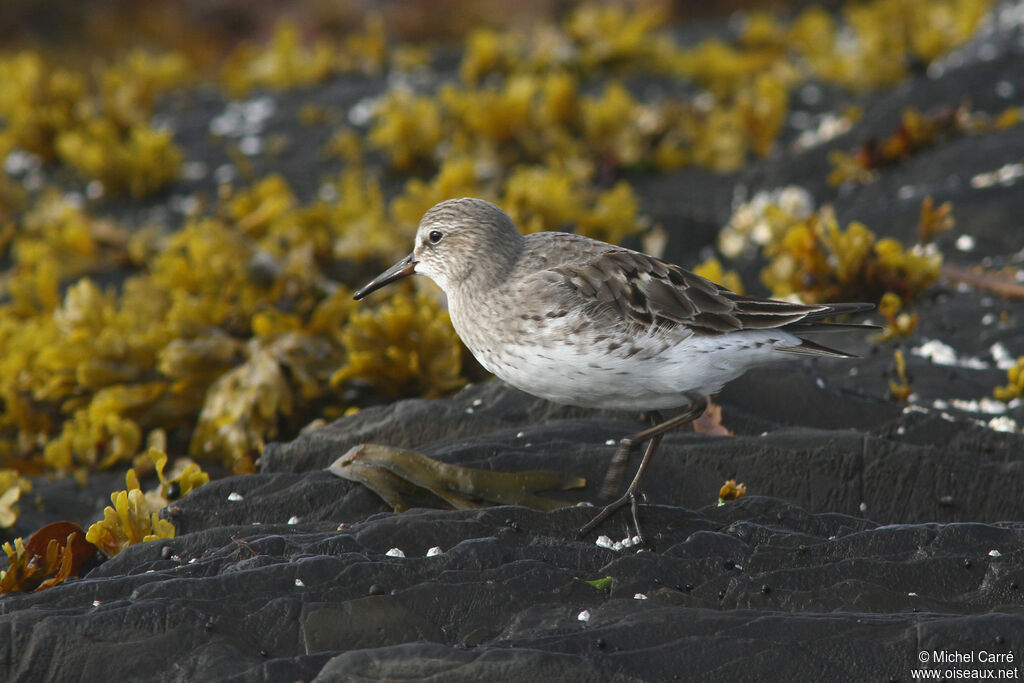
[
  {"x": 250, "y": 145},
  {"x": 395, "y": 552},
  {"x": 912, "y": 594},
  {"x": 1003, "y": 423},
  {"x": 986, "y": 405},
  {"x": 965, "y": 243},
  {"x": 639, "y": 596},
  {"x": 1001, "y": 355},
  {"x": 294, "y": 519},
  {"x": 994, "y": 553},
  {"x": 299, "y": 583},
  {"x": 610, "y": 442},
  {"x": 96, "y": 603},
  {"x": 234, "y": 497},
  {"x": 944, "y": 354},
  {"x": 436, "y": 550},
  {"x": 583, "y": 616},
  {"x": 603, "y": 542}
]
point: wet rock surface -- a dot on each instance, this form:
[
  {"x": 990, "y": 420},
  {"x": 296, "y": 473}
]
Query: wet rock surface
[{"x": 872, "y": 531}]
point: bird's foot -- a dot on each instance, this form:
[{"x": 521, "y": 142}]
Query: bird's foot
[{"x": 630, "y": 497}]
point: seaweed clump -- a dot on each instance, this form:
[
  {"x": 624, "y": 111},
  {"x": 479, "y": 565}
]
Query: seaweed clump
[
  {"x": 133, "y": 516},
  {"x": 916, "y": 132},
  {"x": 1014, "y": 387},
  {"x": 404, "y": 347},
  {"x": 225, "y": 333},
  {"x": 288, "y": 61},
  {"x": 818, "y": 260},
  {"x": 12, "y": 485},
  {"x": 52, "y": 554},
  {"x": 100, "y": 127}
]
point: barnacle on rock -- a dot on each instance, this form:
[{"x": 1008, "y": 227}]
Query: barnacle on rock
[
  {"x": 1014, "y": 386},
  {"x": 405, "y": 346}
]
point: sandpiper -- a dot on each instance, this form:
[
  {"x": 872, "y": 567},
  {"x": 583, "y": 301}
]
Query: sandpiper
[{"x": 581, "y": 322}]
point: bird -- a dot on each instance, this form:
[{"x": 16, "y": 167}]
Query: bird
[{"x": 582, "y": 322}]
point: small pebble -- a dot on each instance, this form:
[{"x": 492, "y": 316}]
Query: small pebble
[
  {"x": 293, "y": 519},
  {"x": 299, "y": 583},
  {"x": 603, "y": 542},
  {"x": 234, "y": 497},
  {"x": 583, "y": 616},
  {"x": 395, "y": 552},
  {"x": 994, "y": 553},
  {"x": 376, "y": 589},
  {"x": 95, "y": 603},
  {"x": 436, "y": 550},
  {"x": 639, "y": 596}
]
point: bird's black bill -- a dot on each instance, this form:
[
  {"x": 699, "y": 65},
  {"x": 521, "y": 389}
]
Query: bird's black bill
[{"x": 403, "y": 268}]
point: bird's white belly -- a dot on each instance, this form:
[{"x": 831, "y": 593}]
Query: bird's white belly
[{"x": 647, "y": 373}]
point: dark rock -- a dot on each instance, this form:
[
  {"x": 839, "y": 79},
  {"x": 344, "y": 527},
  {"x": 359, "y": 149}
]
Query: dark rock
[{"x": 873, "y": 531}]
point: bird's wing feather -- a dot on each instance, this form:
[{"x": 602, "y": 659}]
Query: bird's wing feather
[{"x": 644, "y": 292}]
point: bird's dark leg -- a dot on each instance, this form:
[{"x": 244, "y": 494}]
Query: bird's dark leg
[
  {"x": 698, "y": 404},
  {"x": 619, "y": 461}
]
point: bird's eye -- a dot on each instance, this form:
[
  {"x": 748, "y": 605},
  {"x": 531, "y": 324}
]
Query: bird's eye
[{"x": 435, "y": 236}]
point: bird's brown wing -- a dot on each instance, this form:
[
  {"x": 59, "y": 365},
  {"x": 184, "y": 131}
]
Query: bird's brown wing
[{"x": 644, "y": 291}]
